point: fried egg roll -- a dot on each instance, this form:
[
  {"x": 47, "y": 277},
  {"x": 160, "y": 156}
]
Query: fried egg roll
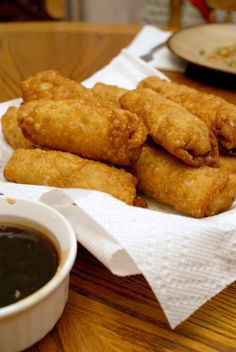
[
  {"x": 104, "y": 133},
  {"x": 173, "y": 127},
  {"x": 65, "y": 170},
  {"x": 109, "y": 92},
  {"x": 218, "y": 114},
  {"x": 51, "y": 84},
  {"x": 198, "y": 192},
  {"x": 12, "y": 131}
]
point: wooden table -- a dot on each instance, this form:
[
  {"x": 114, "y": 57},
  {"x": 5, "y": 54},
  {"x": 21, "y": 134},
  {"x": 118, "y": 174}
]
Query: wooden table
[{"x": 105, "y": 312}]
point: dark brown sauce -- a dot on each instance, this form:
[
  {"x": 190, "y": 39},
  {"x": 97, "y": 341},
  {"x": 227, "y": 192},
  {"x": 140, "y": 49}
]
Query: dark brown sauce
[{"x": 28, "y": 260}]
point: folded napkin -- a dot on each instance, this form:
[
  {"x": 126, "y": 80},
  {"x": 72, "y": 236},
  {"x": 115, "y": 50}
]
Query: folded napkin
[
  {"x": 186, "y": 261},
  {"x": 149, "y": 37}
]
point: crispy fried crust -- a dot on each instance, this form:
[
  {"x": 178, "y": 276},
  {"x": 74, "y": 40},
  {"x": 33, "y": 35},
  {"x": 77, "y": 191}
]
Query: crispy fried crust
[
  {"x": 12, "y": 131},
  {"x": 51, "y": 84},
  {"x": 65, "y": 170},
  {"x": 102, "y": 133},
  {"x": 198, "y": 192},
  {"x": 108, "y": 92},
  {"x": 218, "y": 114},
  {"x": 228, "y": 163},
  {"x": 173, "y": 127}
]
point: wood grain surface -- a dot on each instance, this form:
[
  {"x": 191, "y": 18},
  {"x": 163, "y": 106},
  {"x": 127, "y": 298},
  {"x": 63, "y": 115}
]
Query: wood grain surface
[{"x": 105, "y": 312}]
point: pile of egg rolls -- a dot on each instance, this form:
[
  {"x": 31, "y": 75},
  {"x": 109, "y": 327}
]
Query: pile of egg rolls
[{"x": 165, "y": 140}]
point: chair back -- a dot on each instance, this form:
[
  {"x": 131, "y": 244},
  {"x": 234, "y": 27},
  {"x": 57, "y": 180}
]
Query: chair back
[{"x": 175, "y": 13}]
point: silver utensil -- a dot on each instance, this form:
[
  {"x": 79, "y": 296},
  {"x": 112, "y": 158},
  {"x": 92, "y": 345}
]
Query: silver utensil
[{"x": 148, "y": 57}]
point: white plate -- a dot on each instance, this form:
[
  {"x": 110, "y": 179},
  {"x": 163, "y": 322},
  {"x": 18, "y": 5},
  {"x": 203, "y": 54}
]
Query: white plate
[{"x": 196, "y": 43}]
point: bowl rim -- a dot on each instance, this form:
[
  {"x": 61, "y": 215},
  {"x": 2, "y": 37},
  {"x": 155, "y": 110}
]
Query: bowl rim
[{"x": 64, "y": 268}]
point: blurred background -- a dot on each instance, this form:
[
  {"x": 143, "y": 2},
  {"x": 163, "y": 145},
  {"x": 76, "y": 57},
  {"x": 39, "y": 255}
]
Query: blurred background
[{"x": 163, "y": 13}]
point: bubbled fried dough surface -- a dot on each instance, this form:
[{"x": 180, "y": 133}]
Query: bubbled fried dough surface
[
  {"x": 96, "y": 132},
  {"x": 228, "y": 163},
  {"x": 12, "y": 131},
  {"x": 51, "y": 84},
  {"x": 176, "y": 129},
  {"x": 65, "y": 170},
  {"x": 109, "y": 92},
  {"x": 197, "y": 192},
  {"x": 218, "y": 114}
]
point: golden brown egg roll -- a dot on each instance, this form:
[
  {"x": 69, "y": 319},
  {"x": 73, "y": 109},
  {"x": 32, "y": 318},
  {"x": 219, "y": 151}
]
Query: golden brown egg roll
[
  {"x": 108, "y": 92},
  {"x": 65, "y": 170},
  {"x": 173, "y": 127},
  {"x": 218, "y": 114},
  {"x": 104, "y": 133},
  {"x": 198, "y": 192},
  {"x": 12, "y": 131},
  {"x": 51, "y": 84}
]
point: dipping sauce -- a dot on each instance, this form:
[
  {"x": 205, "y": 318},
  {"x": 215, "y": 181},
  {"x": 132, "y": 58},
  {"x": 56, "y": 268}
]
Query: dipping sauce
[{"x": 28, "y": 260}]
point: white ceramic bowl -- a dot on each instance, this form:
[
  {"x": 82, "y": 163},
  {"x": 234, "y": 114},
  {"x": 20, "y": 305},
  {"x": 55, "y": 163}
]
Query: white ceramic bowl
[{"x": 24, "y": 323}]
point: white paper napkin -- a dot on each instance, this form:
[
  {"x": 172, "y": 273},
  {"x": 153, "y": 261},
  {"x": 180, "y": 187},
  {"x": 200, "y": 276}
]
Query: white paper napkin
[
  {"x": 186, "y": 261},
  {"x": 125, "y": 70},
  {"x": 149, "y": 37}
]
